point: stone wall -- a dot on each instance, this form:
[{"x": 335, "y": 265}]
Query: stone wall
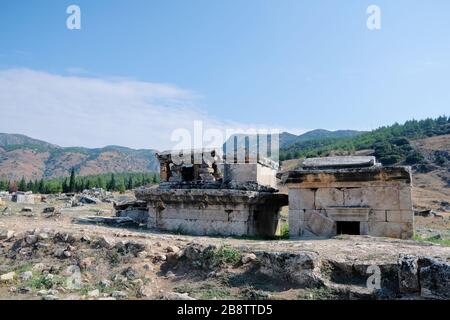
[
  {"x": 378, "y": 198},
  {"x": 213, "y": 212},
  {"x": 251, "y": 172}
]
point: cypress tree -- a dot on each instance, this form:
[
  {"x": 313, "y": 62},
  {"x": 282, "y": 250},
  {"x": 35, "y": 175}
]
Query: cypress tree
[
  {"x": 22, "y": 185},
  {"x": 130, "y": 183}
]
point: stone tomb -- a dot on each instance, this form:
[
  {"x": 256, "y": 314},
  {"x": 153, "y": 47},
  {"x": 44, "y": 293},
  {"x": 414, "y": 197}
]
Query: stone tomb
[
  {"x": 349, "y": 196},
  {"x": 227, "y": 212},
  {"x": 200, "y": 194}
]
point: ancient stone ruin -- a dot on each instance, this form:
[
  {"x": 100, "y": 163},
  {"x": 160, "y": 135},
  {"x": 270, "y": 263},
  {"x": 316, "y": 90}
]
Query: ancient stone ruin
[
  {"x": 349, "y": 195},
  {"x": 201, "y": 193}
]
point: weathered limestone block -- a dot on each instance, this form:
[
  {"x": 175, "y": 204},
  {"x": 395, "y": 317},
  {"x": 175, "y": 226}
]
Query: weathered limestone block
[
  {"x": 364, "y": 228},
  {"x": 213, "y": 211},
  {"x": 434, "y": 277},
  {"x": 400, "y": 216},
  {"x": 301, "y": 268},
  {"x": 301, "y": 199},
  {"x": 377, "y": 215},
  {"x": 391, "y": 229},
  {"x": 320, "y": 225},
  {"x": 328, "y": 197},
  {"x": 294, "y": 228},
  {"x": 295, "y": 222},
  {"x": 238, "y": 215},
  {"x": 377, "y": 197},
  {"x": 198, "y": 214},
  {"x": 297, "y": 214},
  {"x": 408, "y": 277},
  {"x": 203, "y": 227},
  {"x": 405, "y": 199},
  {"x": 348, "y": 214},
  {"x": 373, "y": 197}
]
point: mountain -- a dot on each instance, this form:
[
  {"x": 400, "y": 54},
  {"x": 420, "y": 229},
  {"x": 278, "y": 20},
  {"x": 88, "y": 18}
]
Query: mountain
[
  {"x": 287, "y": 139},
  {"x": 20, "y": 139},
  {"x": 22, "y": 156},
  {"x": 390, "y": 144}
]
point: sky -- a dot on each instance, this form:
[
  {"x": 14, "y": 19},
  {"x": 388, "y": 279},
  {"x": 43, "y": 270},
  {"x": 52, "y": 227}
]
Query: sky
[{"x": 139, "y": 70}]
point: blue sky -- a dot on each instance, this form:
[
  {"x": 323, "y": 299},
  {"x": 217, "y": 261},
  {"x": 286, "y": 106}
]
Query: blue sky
[{"x": 289, "y": 64}]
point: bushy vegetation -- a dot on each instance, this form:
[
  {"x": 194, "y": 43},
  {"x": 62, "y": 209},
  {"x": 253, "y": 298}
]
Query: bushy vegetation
[
  {"x": 433, "y": 239},
  {"x": 111, "y": 182},
  {"x": 391, "y": 143},
  {"x": 221, "y": 256}
]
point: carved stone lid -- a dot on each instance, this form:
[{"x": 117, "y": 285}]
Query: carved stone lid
[{"x": 339, "y": 162}]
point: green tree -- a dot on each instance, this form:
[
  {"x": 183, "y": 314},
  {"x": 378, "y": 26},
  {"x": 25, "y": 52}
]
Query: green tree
[
  {"x": 130, "y": 183},
  {"x": 112, "y": 183},
  {"x": 121, "y": 186},
  {"x": 72, "y": 181},
  {"x": 22, "y": 185}
]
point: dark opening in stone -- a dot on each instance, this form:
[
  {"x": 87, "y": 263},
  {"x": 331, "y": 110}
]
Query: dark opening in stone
[
  {"x": 347, "y": 227},
  {"x": 187, "y": 173}
]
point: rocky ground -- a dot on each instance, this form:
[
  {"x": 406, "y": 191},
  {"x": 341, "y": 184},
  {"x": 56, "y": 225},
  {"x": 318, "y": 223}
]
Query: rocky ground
[{"x": 52, "y": 256}]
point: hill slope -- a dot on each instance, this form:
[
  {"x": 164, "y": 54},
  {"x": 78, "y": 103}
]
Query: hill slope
[
  {"x": 287, "y": 138},
  {"x": 22, "y": 156},
  {"x": 390, "y": 144}
]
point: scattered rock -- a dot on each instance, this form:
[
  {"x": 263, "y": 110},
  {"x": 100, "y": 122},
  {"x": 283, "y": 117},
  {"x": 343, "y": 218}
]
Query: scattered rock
[
  {"x": 173, "y": 249},
  {"x": 408, "y": 274},
  {"x": 31, "y": 239},
  {"x": 178, "y": 296},
  {"x": 86, "y": 238},
  {"x": 142, "y": 254},
  {"x": 59, "y": 253},
  {"x": 105, "y": 283},
  {"x": 119, "y": 294},
  {"x": 24, "y": 276},
  {"x": 43, "y": 236},
  {"x": 104, "y": 212},
  {"x": 24, "y": 290},
  {"x": 247, "y": 258},
  {"x": 160, "y": 257},
  {"x": 130, "y": 273},
  {"x": 6, "y": 234},
  {"x": 94, "y": 293},
  {"x": 7, "y": 211},
  {"x": 111, "y": 221},
  {"x": 88, "y": 200},
  {"x": 145, "y": 292},
  {"x": 106, "y": 242},
  {"x": 425, "y": 213},
  {"x": 301, "y": 268},
  {"x": 8, "y": 276},
  {"x": 86, "y": 263},
  {"x": 48, "y": 210},
  {"x": 38, "y": 267},
  {"x": 50, "y": 292},
  {"x": 434, "y": 278}
]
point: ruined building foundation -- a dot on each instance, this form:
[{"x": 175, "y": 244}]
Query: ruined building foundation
[
  {"x": 353, "y": 195},
  {"x": 200, "y": 194}
]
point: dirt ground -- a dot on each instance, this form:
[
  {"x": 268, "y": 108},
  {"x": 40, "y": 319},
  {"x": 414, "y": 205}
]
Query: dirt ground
[{"x": 151, "y": 278}]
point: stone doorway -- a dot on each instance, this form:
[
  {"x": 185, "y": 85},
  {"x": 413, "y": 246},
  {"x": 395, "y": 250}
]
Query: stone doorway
[{"x": 348, "y": 227}]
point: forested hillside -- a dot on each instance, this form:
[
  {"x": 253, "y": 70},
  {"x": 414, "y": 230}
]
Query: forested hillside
[{"x": 390, "y": 144}]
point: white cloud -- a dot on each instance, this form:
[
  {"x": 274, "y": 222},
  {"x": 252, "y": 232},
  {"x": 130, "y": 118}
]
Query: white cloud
[{"x": 94, "y": 112}]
